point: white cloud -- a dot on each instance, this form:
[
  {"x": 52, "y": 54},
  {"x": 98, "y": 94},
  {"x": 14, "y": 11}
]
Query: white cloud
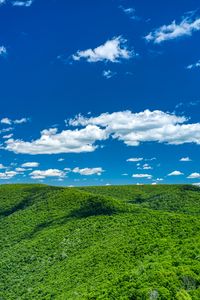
[
  {"x": 6, "y": 129},
  {"x": 7, "y": 174},
  {"x": 148, "y": 176},
  {"x": 150, "y": 159},
  {"x": 130, "y": 128},
  {"x": 3, "y": 50},
  {"x": 67, "y": 141},
  {"x": 88, "y": 171},
  {"x": 108, "y": 74},
  {"x": 8, "y": 136},
  {"x": 135, "y": 159},
  {"x": 186, "y": 27},
  {"x": 32, "y": 164},
  {"x": 41, "y": 174},
  {"x": 194, "y": 175},
  {"x": 146, "y": 167},
  {"x": 185, "y": 159},
  {"x": 146, "y": 126},
  {"x": 194, "y": 66},
  {"x": 175, "y": 173},
  {"x": 130, "y": 11},
  {"x": 113, "y": 51},
  {"x": 2, "y": 166},
  {"x": 21, "y": 121},
  {"x": 20, "y": 170},
  {"x": 6, "y": 121},
  {"x": 61, "y": 159},
  {"x": 159, "y": 179},
  {"x": 25, "y": 3}
]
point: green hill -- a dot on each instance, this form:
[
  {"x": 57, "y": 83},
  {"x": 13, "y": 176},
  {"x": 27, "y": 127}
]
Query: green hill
[{"x": 115, "y": 242}]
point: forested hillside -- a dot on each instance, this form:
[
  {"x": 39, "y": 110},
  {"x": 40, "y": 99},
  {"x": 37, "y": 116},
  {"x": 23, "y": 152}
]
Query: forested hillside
[{"x": 114, "y": 242}]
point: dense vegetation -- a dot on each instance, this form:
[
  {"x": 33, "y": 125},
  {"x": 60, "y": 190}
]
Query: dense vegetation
[{"x": 114, "y": 242}]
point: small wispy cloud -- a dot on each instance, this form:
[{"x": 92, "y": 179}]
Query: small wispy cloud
[
  {"x": 194, "y": 66},
  {"x": 3, "y": 50},
  {"x": 8, "y": 121},
  {"x": 108, "y": 74},
  {"x": 31, "y": 164},
  {"x": 145, "y": 167},
  {"x": 88, "y": 171},
  {"x": 25, "y": 3},
  {"x": 8, "y": 136},
  {"x": 130, "y": 12},
  {"x": 185, "y": 159},
  {"x": 187, "y": 104},
  {"x": 135, "y": 159},
  {"x": 148, "y": 176},
  {"x": 186, "y": 27},
  {"x": 175, "y": 173},
  {"x": 111, "y": 51}
]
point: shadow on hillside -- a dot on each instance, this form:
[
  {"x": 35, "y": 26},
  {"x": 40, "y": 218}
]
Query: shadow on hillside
[
  {"x": 94, "y": 206},
  {"x": 24, "y": 203},
  {"x": 189, "y": 187},
  {"x": 32, "y": 195}
]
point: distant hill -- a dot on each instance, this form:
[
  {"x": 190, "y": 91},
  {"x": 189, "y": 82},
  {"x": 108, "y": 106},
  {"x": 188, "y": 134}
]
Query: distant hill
[{"x": 113, "y": 242}]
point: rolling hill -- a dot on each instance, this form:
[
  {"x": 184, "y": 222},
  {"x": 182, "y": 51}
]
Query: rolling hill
[{"x": 113, "y": 242}]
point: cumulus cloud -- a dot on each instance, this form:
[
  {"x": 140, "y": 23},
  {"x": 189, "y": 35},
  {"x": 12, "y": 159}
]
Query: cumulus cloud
[
  {"x": 6, "y": 121},
  {"x": 185, "y": 159},
  {"x": 148, "y": 176},
  {"x": 146, "y": 126},
  {"x": 186, "y": 27},
  {"x": 135, "y": 159},
  {"x": 175, "y": 173},
  {"x": 42, "y": 174},
  {"x": 194, "y": 66},
  {"x": 194, "y": 175},
  {"x": 25, "y": 3},
  {"x": 88, "y": 171},
  {"x": 2, "y": 166},
  {"x": 112, "y": 51},
  {"x": 32, "y": 164},
  {"x": 7, "y": 174},
  {"x": 126, "y": 126},
  {"x": 67, "y": 141}
]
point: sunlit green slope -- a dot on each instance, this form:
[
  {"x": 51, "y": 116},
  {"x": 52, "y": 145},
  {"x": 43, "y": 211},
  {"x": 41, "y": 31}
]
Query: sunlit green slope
[{"x": 124, "y": 242}]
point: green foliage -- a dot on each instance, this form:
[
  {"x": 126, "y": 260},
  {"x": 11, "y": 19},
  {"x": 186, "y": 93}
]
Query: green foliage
[{"x": 125, "y": 242}]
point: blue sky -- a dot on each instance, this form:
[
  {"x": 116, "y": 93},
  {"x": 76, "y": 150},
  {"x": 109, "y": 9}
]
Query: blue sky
[{"x": 96, "y": 93}]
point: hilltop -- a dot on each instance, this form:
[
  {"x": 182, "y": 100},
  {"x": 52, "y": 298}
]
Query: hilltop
[{"x": 113, "y": 242}]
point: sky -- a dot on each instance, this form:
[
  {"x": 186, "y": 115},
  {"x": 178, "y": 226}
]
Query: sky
[{"x": 100, "y": 92}]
